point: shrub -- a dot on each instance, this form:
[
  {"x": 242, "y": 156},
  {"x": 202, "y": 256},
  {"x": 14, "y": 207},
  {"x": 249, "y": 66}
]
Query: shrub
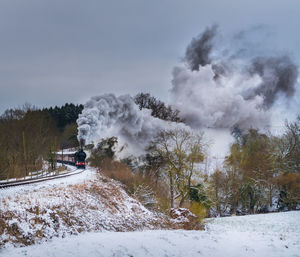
[
  {"x": 198, "y": 209},
  {"x": 151, "y": 194},
  {"x": 146, "y": 196}
]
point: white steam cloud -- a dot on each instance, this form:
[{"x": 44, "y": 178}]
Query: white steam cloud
[
  {"x": 107, "y": 116},
  {"x": 206, "y": 102}
]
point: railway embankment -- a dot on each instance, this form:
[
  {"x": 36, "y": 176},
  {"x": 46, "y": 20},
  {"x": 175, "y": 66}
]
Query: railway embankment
[{"x": 68, "y": 206}]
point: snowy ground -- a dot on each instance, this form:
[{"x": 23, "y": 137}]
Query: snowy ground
[
  {"x": 83, "y": 177},
  {"x": 40, "y": 174},
  {"x": 276, "y": 234},
  {"x": 62, "y": 207}
]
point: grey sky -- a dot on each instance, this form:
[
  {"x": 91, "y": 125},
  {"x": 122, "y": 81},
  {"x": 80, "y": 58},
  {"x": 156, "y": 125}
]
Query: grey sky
[{"x": 57, "y": 51}]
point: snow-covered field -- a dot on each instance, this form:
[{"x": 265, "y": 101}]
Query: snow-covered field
[{"x": 276, "y": 234}]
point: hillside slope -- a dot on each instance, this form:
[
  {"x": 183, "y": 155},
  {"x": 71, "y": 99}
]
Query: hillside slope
[{"x": 85, "y": 202}]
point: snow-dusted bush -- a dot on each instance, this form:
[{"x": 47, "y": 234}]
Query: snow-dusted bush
[{"x": 146, "y": 196}]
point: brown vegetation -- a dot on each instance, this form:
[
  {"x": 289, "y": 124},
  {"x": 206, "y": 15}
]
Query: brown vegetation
[{"x": 28, "y": 136}]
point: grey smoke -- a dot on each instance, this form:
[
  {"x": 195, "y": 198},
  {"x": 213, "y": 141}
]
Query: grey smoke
[
  {"x": 108, "y": 115},
  {"x": 230, "y": 88},
  {"x": 199, "y": 50},
  {"x": 205, "y": 102},
  {"x": 279, "y": 76}
]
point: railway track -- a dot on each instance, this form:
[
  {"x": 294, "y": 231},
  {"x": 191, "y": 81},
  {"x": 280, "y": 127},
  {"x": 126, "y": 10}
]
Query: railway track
[{"x": 32, "y": 181}]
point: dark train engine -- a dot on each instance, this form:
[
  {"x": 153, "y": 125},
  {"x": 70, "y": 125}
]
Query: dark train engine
[
  {"x": 80, "y": 157},
  {"x": 75, "y": 158}
]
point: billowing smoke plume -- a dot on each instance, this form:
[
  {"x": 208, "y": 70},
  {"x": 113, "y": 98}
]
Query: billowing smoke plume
[
  {"x": 279, "y": 76},
  {"x": 199, "y": 50},
  {"x": 206, "y": 102},
  {"x": 107, "y": 115},
  {"x": 215, "y": 90},
  {"x": 214, "y": 87}
]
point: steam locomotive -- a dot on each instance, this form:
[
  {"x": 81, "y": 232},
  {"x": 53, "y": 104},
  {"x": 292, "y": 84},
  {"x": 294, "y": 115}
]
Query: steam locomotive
[{"x": 75, "y": 158}]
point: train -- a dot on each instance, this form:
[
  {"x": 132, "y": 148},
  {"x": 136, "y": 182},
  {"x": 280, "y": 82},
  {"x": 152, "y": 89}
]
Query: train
[{"x": 75, "y": 158}]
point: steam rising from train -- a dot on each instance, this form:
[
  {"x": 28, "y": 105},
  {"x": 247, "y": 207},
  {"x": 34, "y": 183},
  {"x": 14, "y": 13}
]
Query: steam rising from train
[
  {"x": 213, "y": 87},
  {"x": 107, "y": 115},
  {"x": 229, "y": 91}
]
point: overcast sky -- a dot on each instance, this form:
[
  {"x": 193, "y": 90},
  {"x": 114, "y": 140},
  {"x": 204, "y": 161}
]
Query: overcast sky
[{"x": 58, "y": 51}]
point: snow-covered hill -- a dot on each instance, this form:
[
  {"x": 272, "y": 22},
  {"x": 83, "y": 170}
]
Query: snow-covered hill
[
  {"x": 85, "y": 202},
  {"x": 276, "y": 234}
]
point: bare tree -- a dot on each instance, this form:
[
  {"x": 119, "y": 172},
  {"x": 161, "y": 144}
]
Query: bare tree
[
  {"x": 157, "y": 107},
  {"x": 181, "y": 150}
]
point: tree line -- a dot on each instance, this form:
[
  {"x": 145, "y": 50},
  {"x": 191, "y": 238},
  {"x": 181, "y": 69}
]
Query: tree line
[
  {"x": 29, "y": 135},
  {"x": 261, "y": 173}
]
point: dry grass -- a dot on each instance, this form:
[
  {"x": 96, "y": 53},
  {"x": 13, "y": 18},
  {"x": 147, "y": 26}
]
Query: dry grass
[{"x": 122, "y": 173}]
